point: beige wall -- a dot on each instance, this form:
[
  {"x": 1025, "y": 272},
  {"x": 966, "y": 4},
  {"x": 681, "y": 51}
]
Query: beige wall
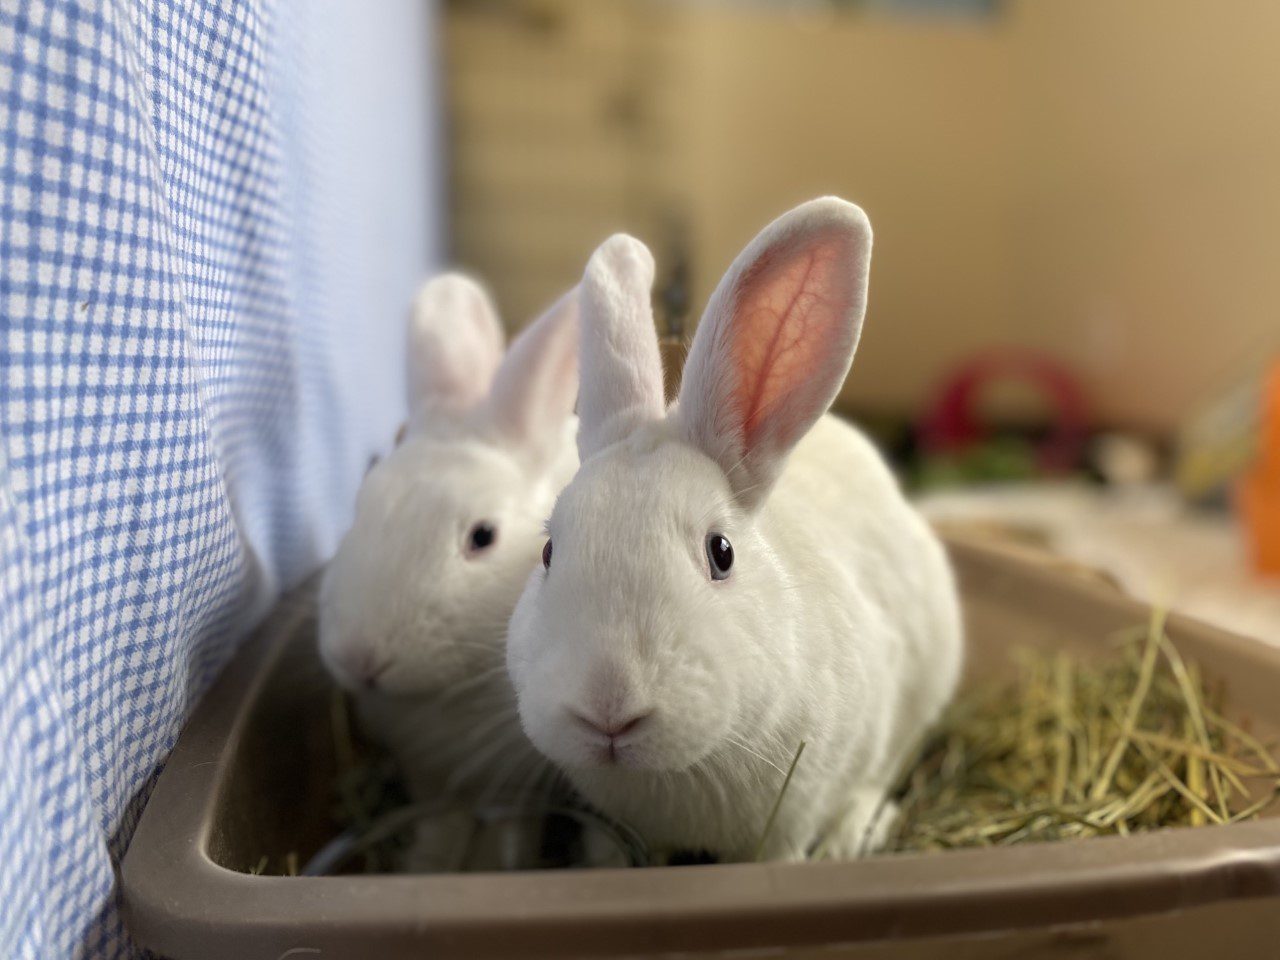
[
  {"x": 1095, "y": 178},
  {"x": 1149, "y": 218},
  {"x": 913, "y": 123}
]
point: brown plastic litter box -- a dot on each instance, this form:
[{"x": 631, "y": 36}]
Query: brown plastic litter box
[{"x": 252, "y": 773}]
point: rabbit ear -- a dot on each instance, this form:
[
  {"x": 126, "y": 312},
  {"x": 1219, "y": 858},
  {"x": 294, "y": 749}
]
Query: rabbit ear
[
  {"x": 455, "y": 343},
  {"x": 536, "y": 386},
  {"x": 621, "y": 370},
  {"x": 776, "y": 342}
]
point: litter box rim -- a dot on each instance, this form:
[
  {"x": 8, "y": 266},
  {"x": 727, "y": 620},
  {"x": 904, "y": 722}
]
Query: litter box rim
[{"x": 181, "y": 903}]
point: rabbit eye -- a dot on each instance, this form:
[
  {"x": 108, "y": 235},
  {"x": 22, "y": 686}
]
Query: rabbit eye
[
  {"x": 546, "y": 554},
  {"x": 719, "y": 555},
  {"x": 482, "y": 536}
]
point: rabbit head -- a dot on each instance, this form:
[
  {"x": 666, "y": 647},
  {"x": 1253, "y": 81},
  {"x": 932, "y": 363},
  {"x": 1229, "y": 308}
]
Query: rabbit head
[
  {"x": 655, "y": 633},
  {"x": 448, "y": 525}
]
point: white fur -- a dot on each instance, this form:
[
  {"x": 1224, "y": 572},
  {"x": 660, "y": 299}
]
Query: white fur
[
  {"x": 411, "y": 620},
  {"x": 838, "y": 625},
  {"x": 629, "y": 390},
  {"x": 455, "y": 343}
]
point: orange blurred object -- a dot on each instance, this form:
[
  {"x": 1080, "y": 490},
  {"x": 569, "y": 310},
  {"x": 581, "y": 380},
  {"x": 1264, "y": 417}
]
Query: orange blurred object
[{"x": 1260, "y": 487}]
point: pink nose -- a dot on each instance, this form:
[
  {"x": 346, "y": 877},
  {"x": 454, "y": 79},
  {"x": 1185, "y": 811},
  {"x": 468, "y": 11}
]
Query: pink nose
[{"x": 610, "y": 727}]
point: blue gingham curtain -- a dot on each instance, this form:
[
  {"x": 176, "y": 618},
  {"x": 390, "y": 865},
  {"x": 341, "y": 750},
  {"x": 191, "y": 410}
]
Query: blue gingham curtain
[{"x": 212, "y": 216}]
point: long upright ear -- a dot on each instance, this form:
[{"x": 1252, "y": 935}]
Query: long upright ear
[
  {"x": 536, "y": 386},
  {"x": 621, "y": 369},
  {"x": 455, "y": 343},
  {"x": 776, "y": 342}
]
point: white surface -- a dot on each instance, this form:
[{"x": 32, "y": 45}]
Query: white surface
[{"x": 1194, "y": 563}]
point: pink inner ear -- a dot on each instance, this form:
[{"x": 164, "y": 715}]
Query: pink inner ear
[{"x": 788, "y": 318}]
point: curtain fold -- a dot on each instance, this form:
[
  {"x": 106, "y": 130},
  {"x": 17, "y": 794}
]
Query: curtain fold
[{"x": 212, "y": 218}]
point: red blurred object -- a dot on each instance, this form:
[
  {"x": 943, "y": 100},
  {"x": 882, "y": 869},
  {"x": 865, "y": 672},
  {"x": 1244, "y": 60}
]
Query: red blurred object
[
  {"x": 1259, "y": 493},
  {"x": 951, "y": 426}
]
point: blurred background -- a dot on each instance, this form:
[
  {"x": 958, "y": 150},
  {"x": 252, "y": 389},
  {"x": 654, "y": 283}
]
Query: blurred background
[{"x": 1074, "y": 286}]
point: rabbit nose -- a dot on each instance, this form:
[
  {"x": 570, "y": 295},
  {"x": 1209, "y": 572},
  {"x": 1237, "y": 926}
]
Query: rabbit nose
[
  {"x": 609, "y": 726},
  {"x": 361, "y": 666}
]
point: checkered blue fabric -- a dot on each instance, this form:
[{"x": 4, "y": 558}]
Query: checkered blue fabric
[{"x": 212, "y": 216}]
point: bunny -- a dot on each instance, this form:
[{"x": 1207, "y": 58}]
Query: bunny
[
  {"x": 740, "y": 575},
  {"x": 414, "y": 605}
]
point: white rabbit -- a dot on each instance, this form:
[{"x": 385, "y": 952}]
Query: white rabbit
[
  {"x": 739, "y": 575},
  {"x": 414, "y": 605}
]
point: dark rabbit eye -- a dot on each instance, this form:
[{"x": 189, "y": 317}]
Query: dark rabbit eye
[
  {"x": 720, "y": 555},
  {"x": 481, "y": 536},
  {"x": 546, "y": 554}
]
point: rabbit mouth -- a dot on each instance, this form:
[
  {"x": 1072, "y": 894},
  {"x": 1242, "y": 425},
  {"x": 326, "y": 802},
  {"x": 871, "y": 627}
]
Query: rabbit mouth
[
  {"x": 605, "y": 752},
  {"x": 612, "y": 740},
  {"x": 638, "y": 756},
  {"x": 609, "y": 755}
]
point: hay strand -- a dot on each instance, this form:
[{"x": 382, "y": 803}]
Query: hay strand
[
  {"x": 777, "y": 804},
  {"x": 1071, "y": 749}
]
